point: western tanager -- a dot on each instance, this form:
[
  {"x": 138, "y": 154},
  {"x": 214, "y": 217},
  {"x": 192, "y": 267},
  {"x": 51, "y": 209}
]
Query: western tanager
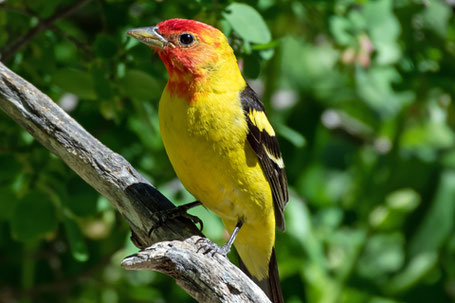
[{"x": 219, "y": 141}]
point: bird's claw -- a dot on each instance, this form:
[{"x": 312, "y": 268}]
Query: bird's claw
[
  {"x": 179, "y": 211},
  {"x": 209, "y": 248},
  {"x": 195, "y": 220}
]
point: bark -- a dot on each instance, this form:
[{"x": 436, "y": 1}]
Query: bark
[{"x": 205, "y": 278}]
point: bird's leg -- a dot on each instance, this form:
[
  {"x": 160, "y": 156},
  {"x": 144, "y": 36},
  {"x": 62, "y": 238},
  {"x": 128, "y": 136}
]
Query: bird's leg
[
  {"x": 179, "y": 211},
  {"x": 209, "y": 247}
]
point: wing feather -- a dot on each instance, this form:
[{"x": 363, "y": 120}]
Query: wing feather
[{"x": 262, "y": 139}]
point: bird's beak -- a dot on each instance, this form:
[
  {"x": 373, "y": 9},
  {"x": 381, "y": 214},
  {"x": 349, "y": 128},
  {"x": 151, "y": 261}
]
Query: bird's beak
[{"x": 149, "y": 36}]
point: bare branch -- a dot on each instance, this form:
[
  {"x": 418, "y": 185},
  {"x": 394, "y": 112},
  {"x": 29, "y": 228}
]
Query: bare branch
[
  {"x": 207, "y": 279},
  {"x": 41, "y": 26}
]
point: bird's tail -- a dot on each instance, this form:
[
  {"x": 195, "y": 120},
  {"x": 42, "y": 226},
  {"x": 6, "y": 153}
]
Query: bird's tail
[{"x": 270, "y": 285}]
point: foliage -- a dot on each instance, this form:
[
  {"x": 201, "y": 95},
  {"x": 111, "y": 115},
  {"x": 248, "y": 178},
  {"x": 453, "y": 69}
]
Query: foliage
[{"x": 360, "y": 92}]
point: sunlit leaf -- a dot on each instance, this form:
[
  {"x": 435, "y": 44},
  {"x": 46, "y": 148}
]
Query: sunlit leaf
[
  {"x": 436, "y": 17},
  {"x": 403, "y": 200},
  {"x": 384, "y": 29},
  {"x": 414, "y": 271},
  {"x": 342, "y": 30},
  {"x": 247, "y": 22}
]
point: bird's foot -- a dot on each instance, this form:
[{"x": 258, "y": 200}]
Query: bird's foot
[
  {"x": 179, "y": 211},
  {"x": 209, "y": 248}
]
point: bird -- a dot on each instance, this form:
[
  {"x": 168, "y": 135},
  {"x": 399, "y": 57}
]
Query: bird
[{"x": 220, "y": 143}]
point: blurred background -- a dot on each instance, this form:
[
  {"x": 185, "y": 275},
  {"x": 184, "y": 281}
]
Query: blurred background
[{"x": 361, "y": 96}]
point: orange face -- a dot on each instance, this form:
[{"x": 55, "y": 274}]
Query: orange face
[{"x": 185, "y": 46}]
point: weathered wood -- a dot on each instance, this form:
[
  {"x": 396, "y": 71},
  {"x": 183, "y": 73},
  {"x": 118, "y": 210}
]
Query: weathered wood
[
  {"x": 134, "y": 197},
  {"x": 207, "y": 279}
]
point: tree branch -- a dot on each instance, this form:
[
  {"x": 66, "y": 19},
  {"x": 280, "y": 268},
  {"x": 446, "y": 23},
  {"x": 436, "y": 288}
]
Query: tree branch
[
  {"x": 133, "y": 196},
  {"x": 41, "y": 26},
  {"x": 207, "y": 279}
]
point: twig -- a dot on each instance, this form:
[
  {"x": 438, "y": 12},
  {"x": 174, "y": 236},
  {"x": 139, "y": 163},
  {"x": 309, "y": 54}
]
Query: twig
[
  {"x": 41, "y": 26},
  {"x": 24, "y": 12},
  {"x": 80, "y": 45}
]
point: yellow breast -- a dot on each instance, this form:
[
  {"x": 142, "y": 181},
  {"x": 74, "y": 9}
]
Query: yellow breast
[{"x": 207, "y": 146}]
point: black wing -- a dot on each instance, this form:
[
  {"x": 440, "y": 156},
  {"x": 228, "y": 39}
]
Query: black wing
[{"x": 263, "y": 141}]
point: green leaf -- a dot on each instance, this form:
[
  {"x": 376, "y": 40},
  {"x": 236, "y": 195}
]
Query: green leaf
[
  {"x": 140, "y": 85},
  {"x": 348, "y": 243},
  {"x": 384, "y": 253},
  {"x": 438, "y": 222},
  {"x": 226, "y": 27},
  {"x": 341, "y": 29},
  {"x": 436, "y": 17},
  {"x": 34, "y": 217},
  {"x": 307, "y": 66},
  {"x": 392, "y": 215},
  {"x": 76, "y": 240},
  {"x": 425, "y": 139},
  {"x": 291, "y": 135},
  {"x": 65, "y": 52},
  {"x": 298, "y": 224},
  {"x": 384, "y": 29},
  {"x": 375, "y": 87},
  {"x": 267, "y": 54},
  {"x": 324, "y": 187},
  {"x": 419, "y": 266},
  {"x": 405, "y": 200},
  {"x": 75, "y": 81},
  {"x": 247, "y": 22}
]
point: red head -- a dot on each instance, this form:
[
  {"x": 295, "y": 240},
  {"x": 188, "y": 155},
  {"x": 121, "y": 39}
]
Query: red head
[
  {"x": 197, "y": 56},
  {"x": 185, "y": 46}
]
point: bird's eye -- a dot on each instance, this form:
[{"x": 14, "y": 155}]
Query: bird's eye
[{"x": 186, "y": 39}]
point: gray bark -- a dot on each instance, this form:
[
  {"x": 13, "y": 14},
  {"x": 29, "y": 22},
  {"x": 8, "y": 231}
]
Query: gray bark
[
  {"x": 205, "y": 278},
  {"x": 129, "y": 192}
]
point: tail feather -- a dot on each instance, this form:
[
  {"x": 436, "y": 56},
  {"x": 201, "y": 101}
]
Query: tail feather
[{"x": 271, "y": 285}]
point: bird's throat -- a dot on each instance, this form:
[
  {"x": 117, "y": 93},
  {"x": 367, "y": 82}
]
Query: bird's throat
[
  {"x": 186, "y": 87},
  {"x": 191, "y": 87}
]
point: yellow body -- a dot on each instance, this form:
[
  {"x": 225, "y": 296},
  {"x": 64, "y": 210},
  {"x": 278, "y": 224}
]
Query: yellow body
[
  {"x": 207, "y": 145},
  {"x": 219, "y": 140}
]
